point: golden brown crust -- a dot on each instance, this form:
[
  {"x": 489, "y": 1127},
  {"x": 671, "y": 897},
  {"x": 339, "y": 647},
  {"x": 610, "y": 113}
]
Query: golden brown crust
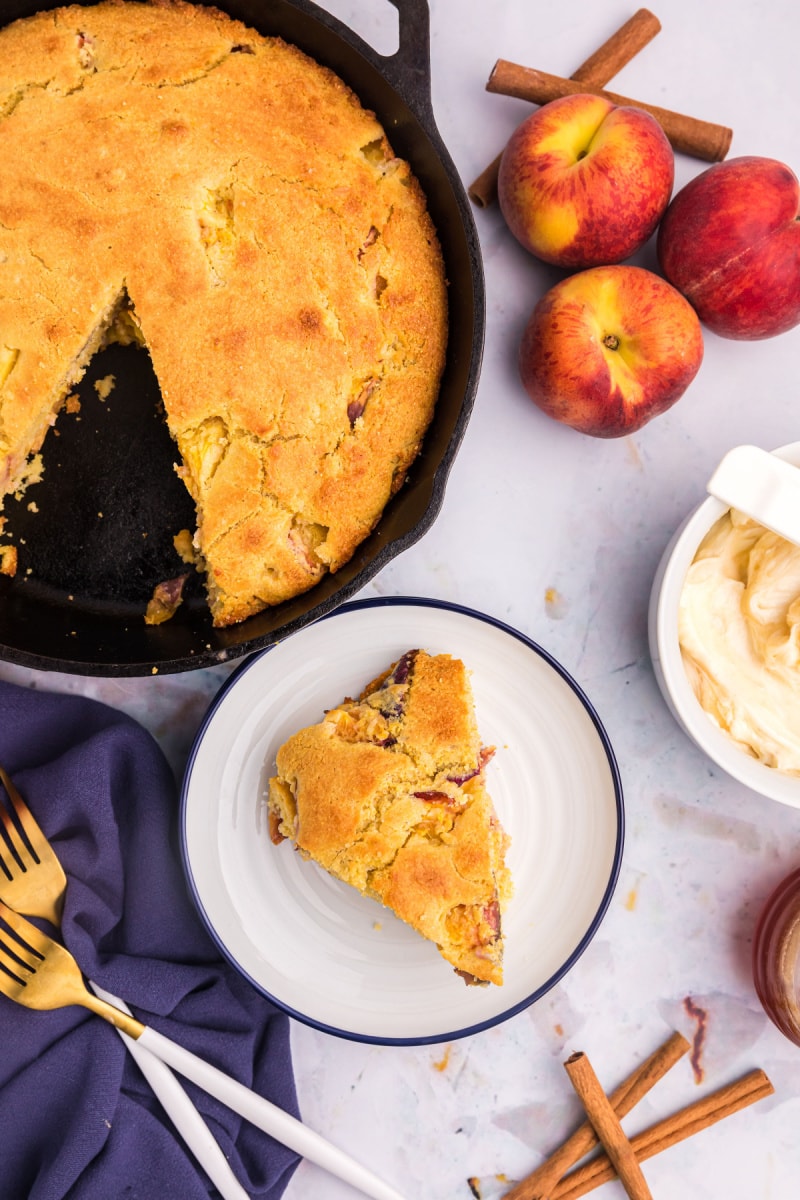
[
  {"x": 388, "y": 794},
  {"x": 283, "y": 269}
]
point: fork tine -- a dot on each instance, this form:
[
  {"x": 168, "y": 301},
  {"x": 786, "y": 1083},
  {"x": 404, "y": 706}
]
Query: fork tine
[
  {"x": 26, "y": 818},
  {"x": 18, "y": 844},
  {"x": 37, "y": 843},
  {"x": 4, "y": 867},
  {"x": 32, "y": 879},
  {"x": 14, "y": 853},
  {"x": 25, "y": 931},
  {"x": 16, "y": 947},
  {"x": 13, "y": 982},
  {"x": 17, "y": 961}
]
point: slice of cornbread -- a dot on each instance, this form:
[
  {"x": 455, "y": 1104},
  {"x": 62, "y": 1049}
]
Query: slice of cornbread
[
  {"x": 173, "y": 178},
  {"x": 387, "y": 793}
]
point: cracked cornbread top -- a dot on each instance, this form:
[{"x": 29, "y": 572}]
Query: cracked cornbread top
[
  {"x": 172, "y": 176},
  {"x": 388, "y": 794}
]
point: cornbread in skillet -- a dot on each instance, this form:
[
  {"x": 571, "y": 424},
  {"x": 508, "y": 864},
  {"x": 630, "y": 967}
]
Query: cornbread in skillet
[
  {"x": 387, "y": 793},
  {"x": 172, "y": 177}
]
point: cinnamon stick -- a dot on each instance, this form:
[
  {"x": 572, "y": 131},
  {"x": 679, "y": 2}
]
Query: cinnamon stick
[
  {"x": 702, "y": 139},
  {"x": 541, "y": 1182},
  {"x": 681, "y": 1125},
  {"x": 599, "y": 68},
  {"x": 609, "y": 59},
  {"x": 607, "y": 1127}
]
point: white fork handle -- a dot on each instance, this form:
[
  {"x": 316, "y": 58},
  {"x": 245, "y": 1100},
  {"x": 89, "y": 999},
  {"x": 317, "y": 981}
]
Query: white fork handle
[
  {"x": 262, "y": 1113},
  {"x": 183, "y": 1114}
]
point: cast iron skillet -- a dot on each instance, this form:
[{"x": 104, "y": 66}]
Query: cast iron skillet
[{"x": 101, "y": 536}]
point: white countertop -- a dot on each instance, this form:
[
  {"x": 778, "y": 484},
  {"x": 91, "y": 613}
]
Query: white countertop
[{"x": 559, "y": 535}]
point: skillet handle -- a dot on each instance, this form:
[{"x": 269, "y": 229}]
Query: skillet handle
[{"x": 409, "y": 68}]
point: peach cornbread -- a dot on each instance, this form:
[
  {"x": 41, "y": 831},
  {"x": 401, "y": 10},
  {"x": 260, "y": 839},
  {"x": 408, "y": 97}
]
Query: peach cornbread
[
  {"x": 172, "y": 177},
  {"x": 387, "y": 793}
]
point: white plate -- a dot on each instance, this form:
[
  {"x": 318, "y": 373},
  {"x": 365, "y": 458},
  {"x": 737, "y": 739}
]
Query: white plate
[{"x": 315, "y": 946}]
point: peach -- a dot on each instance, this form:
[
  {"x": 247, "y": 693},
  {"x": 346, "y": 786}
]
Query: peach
[
  {"x": 730, "y": 242},
  {"x": 608, "y": 349},
  {"x": 584, "y": 182}
]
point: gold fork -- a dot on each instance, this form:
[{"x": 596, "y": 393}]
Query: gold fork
[
  {"x": 41, "y": 974},
  {"x": 32, "y": 881}
]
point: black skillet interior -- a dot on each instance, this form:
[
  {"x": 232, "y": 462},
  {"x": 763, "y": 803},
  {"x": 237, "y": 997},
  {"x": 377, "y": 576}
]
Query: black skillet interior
[{"x": 96, "y": 537}]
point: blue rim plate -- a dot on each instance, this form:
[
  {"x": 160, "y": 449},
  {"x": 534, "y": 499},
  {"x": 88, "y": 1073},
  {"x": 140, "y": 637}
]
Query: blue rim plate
[{"x": 314, "y": 946}]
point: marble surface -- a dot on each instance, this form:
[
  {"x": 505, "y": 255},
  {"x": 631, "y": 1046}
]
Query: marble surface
[{"x": 559, "y": 535}]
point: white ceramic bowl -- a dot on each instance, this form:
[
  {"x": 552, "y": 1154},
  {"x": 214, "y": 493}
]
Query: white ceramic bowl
[{"x": 668, "y": 665}]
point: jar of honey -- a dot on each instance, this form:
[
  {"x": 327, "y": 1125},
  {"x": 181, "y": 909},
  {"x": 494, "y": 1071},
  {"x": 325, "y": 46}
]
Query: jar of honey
[{"x": 776, "y": 957}]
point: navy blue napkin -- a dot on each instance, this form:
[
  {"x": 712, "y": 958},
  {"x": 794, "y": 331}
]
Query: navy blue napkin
[{"x": 78, "y": 1120}]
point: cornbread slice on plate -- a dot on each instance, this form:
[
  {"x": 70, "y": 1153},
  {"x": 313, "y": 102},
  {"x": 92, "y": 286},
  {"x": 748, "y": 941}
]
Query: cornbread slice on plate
[
  {"x": 388, "y": 794},
  {"x": 174, "y": 178}
]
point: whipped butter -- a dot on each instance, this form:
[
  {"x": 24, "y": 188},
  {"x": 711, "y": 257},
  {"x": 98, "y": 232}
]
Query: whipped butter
[{"x": 739, "y": 633}]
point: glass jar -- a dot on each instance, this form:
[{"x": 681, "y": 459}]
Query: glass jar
[{"x": 776, "y": 957}]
